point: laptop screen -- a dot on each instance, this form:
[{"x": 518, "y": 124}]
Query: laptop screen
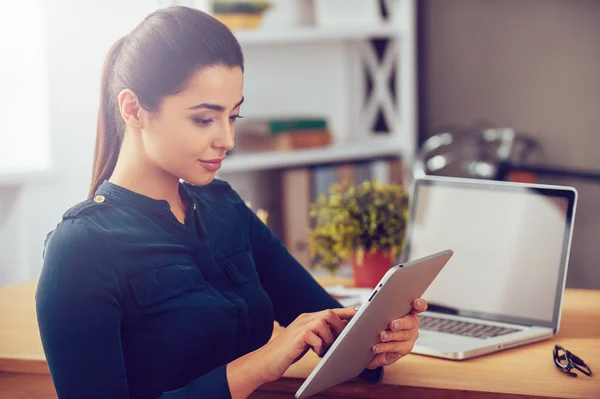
[{"x": 510, "y": 244}]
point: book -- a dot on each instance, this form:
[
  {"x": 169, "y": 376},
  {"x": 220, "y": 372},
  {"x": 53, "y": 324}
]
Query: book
[
  {"x": 292, "y": 140},
  {"x": 275, "y": 126},
  {"x": 396, "y": 171},
  {"x": 323, "y": 177},
  {"x": 346, "y": 174},
  {"x": 363, "y": 171},
  {"x": 296, "y": 197}
]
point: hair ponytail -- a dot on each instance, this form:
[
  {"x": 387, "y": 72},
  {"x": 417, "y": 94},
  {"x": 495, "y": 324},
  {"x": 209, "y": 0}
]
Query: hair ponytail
[{"x": 109, "y": 134}]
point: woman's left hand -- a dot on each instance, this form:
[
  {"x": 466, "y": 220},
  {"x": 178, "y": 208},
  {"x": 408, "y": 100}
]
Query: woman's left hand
[{"x": 399, "y": 340}]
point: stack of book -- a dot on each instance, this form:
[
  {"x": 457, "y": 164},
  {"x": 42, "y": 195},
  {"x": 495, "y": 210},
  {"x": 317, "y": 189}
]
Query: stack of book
[{"x": 282, "y": 134}]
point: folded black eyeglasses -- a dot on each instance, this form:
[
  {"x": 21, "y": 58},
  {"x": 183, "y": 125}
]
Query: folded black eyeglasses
[{"x": 566, "y": 361}]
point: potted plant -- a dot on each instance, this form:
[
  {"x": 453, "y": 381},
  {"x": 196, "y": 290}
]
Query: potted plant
[
  {"x": 363, "y": 224},
  {"x": 236, "y": 14}
]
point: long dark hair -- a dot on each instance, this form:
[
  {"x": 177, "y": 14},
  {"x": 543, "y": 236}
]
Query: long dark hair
[{"x": 156, "y": 60}]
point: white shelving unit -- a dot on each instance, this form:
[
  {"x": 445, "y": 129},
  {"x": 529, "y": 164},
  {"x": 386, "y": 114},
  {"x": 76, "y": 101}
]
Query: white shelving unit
[
  {"x": 314, "y": 34},
  {"x": 321, "y": 71},
  {"x": 376, "y": 147}
]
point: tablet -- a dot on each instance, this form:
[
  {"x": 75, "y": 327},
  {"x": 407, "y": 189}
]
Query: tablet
[{"x": 391, "y": 299}]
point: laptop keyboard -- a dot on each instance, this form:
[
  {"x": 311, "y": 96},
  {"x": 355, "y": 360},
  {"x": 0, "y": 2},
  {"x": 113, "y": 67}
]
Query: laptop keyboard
[{"x": 464, "y": 328}]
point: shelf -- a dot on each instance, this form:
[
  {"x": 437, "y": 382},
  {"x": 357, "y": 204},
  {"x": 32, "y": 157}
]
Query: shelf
[
  {"x": 314, "y": 34},
  {"x": 373, "y": 148}
]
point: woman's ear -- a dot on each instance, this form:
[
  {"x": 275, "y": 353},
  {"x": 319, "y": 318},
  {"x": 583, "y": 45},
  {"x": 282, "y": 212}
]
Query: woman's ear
[{"x": 130, "y": 109}]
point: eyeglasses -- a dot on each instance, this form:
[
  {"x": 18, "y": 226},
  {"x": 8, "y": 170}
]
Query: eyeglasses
[{"x": 566, "y": 361}]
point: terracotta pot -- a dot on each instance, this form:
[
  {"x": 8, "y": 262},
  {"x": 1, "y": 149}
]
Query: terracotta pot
[{"x": 372, "y": 269}]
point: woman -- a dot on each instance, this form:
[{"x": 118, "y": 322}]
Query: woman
[{"x": 156, "y": 288}]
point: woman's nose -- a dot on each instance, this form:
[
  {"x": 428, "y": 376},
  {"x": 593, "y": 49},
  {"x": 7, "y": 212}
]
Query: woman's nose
[{"x": 226, "y": 140}]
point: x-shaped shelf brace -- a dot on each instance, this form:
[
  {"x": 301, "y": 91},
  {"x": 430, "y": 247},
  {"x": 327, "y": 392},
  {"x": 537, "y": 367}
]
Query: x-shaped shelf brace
[{"x": 381, "y": 95}]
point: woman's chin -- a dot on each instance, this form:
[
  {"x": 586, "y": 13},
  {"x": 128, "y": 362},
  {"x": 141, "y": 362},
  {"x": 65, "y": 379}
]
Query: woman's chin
[{"x": 200, "y": 180}]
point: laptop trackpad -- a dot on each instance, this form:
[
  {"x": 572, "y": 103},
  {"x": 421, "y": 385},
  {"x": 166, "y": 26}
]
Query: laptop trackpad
[{"x": 446, "y": 342}]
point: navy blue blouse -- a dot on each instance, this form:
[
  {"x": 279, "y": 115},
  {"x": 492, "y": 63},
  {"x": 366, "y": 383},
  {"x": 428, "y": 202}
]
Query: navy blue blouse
[{"x": 133, "y": 304}]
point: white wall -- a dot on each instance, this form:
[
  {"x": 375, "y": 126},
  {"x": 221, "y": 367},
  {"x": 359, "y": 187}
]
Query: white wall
[
  {"x": 23, "y": 115},
  {"x": 76, "y": 37}
]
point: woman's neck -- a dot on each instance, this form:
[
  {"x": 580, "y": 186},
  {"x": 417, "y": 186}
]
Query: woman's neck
[{"x": 135, "y": 172}]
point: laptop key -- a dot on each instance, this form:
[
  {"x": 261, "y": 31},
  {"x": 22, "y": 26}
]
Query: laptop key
[{"x": 464, "y": 328}]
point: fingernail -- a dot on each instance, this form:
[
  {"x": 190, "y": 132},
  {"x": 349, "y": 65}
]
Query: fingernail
[
  {"x": 386, "y": 336},
  {"x": 377, "y": 348},
  {"x": 356, "y": 308},
  {"x": 419, "y": 303},
  {"x": 396, "y": 325}
]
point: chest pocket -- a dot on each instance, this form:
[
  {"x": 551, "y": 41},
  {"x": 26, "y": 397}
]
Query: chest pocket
[
  {"x": 158, "y": 283},
  {"x": 177, "y": 313},
  {"x": 240, "y": 268}
]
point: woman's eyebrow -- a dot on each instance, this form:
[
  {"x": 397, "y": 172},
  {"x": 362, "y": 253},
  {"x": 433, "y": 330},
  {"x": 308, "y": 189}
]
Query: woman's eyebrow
[{"x": 215, "y": 107}]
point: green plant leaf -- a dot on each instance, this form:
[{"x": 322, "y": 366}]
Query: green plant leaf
[{"x": 352, "y": 219}]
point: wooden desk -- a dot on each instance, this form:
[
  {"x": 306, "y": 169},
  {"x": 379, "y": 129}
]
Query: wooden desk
[{"x": 523, "y": 372}]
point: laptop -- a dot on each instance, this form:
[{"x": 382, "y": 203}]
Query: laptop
[{"x": 504, "y": 285}]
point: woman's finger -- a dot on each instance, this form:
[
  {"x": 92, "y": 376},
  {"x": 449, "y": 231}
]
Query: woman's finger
[
  {"x": 322, "y": 328},
  {"x": 401, "y": 348},
  {"x": 378, "y": 361},
  {"x": 384, "y": 359},
  {"x": 312, "y": 339},
  {"x": 337, "y": 324},
  {"x": 402, "y": 335},
  {"x": 405, "y": 323},
  {"x": 346, "y": 313},
  {"x": 419, "y": 305}
]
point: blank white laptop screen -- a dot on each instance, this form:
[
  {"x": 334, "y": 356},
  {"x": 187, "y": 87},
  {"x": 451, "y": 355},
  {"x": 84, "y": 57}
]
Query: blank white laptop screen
[{"x": 509, "y": 247}]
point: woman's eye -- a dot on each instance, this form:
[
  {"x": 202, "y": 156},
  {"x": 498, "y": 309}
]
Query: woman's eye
[
  {"x": 233, "y": 118},
  {"x": 203, "y": 122}
]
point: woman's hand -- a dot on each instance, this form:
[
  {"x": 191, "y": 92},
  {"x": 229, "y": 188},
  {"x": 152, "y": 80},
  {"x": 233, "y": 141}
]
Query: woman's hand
[
  {"x": 310, "y": 330},
  {"x": 399, "y": 340}
]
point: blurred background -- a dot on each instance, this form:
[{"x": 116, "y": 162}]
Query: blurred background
[{"x": 335, "y": 89}]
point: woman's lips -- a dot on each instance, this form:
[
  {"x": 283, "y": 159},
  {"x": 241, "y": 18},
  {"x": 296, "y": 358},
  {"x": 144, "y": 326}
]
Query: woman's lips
[{"x": 211, "y": 165}]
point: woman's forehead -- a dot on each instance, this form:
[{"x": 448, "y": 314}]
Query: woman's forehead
[{"x": 218, "y": 82}]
